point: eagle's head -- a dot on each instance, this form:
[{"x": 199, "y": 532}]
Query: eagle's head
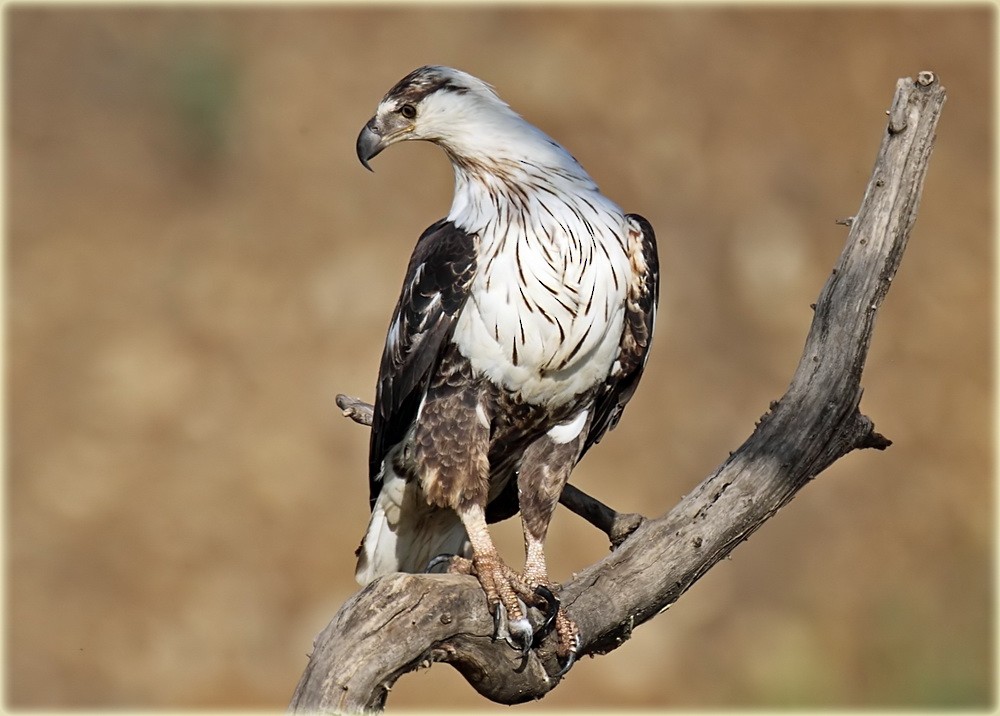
[{"x": 451, "y": 108}]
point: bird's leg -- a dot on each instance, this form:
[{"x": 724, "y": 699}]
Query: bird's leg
[
  {"x": 501, "y": 584},
  {"x": 545, "y": 468},
  {"x": 536, "y": 576}
]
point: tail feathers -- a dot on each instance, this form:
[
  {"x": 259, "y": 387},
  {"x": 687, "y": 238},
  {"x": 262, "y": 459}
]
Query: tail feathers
[{"x": 405, "y": 533}]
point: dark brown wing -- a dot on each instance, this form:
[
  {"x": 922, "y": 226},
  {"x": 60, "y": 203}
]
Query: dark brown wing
[
  {"x": 435, "y": 289},
  {"x": 640, "y": 315}
]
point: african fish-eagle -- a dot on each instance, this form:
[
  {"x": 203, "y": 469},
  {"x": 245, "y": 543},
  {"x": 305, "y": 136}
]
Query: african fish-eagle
[{"x": 521, "y": 332}]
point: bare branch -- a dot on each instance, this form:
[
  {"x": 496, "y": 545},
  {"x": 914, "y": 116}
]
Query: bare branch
[
  {"x": 401, "y": 622},
  {"x": 616, "y": 525},
  {"x": 356, "y": 409}
]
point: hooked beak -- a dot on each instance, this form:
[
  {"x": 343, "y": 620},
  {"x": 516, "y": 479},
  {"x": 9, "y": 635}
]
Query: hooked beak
[{"x": 370, "y": 143}]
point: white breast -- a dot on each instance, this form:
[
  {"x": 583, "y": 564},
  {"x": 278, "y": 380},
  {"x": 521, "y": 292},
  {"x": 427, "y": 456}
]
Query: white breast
[{"x": 546, "y": 310}]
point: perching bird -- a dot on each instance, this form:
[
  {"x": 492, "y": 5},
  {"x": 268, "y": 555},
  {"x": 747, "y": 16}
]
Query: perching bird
[{"x": 521, "y": 332}]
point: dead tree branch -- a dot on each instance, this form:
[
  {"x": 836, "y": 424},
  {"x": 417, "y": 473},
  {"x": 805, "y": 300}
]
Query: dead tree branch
[{"x": 405, "y": 621}]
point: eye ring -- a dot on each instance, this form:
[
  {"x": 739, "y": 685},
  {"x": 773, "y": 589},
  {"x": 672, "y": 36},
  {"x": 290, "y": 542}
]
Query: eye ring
[{"x": 408, "y": 111}]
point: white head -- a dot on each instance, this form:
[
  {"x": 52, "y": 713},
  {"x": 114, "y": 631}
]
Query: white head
[{"x": 460, "y": 113}]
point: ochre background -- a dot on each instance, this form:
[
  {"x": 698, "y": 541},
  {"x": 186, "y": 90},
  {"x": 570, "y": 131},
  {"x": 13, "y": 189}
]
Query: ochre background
[{"x": 197, "y": 264}]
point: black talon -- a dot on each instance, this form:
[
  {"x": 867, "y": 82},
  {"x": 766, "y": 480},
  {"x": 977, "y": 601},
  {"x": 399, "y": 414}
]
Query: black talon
[
  {"x": 517, "y": 634},
  {"x": 571, "y": 659},
  {"x": 521, "y": 642},
  {"x": 520, "y": 635},
  {"x": 497, "y": 621},
  {"x": 441, "y": 558},
  {"x": 552, "y": 604}
]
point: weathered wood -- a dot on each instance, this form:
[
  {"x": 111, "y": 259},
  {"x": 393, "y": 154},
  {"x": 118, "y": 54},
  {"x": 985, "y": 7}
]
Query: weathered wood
[
  {"x": 356, "y": 409},
  {"x": 402, "y": 622}
]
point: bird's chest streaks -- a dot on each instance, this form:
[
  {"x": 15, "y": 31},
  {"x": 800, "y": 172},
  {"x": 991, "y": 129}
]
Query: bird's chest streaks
[{"x": 544, "y": 315}]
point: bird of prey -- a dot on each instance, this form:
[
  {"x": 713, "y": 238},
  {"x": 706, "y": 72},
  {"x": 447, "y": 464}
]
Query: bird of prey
[{"x": 520, "y": 334}]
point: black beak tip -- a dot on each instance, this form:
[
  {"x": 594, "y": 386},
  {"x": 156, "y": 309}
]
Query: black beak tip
[{"x": 369, "y": 144}]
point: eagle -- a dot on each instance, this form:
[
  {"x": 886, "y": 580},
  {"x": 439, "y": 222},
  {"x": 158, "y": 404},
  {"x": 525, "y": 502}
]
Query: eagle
[{"x": 521, "y": 332}]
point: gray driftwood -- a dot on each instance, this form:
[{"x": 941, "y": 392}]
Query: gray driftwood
[{"x": 405, "y": 621}]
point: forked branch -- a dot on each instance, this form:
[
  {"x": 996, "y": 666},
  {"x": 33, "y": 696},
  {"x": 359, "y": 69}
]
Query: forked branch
[{"x": 405, "y": 621}]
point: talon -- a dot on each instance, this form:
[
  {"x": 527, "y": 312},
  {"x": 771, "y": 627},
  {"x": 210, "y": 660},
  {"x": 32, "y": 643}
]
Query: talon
[
  {"x": 517, "y": 633},
  {"x": 520, "y": 635},
  {"x": 551, "y": 611},
  {"x": 571, "y": 657},
  {"x": 444, "y": 559},
  {"x": 500, "y": 623}
]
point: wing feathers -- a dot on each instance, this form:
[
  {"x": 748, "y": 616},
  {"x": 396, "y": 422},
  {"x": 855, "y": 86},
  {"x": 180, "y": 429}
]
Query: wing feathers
[
  {"x": 434, "y": 290},
  {"x": 640, "y": 314}
]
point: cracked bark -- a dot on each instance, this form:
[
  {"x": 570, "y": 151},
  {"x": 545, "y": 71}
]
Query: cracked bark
[{"x": 405, "y": 621}]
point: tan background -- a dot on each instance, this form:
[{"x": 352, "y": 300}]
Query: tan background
[{"x": 197, "y": 264}]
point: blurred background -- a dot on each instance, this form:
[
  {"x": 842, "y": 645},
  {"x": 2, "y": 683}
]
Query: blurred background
[{"x": 197, "y": 264}]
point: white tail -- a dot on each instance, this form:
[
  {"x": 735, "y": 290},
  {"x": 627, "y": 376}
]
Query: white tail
[{"x": 405, "y": 533}]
